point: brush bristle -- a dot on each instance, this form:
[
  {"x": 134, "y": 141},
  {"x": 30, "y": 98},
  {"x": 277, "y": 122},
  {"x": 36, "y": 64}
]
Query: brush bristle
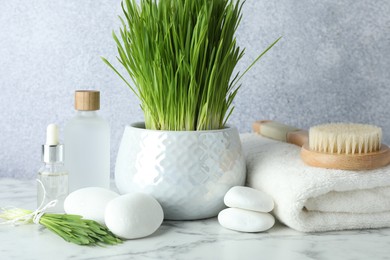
[{"x": 344, "y": 138}]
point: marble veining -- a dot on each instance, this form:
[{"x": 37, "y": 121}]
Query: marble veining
[{"x": 204, "y": 239}]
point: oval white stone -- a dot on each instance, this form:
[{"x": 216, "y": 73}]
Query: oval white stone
[
  {"x": 247, "y": 198},
  {"x": 134, "y": 215},
  {"x": 89, "y": 202},
  {"x": 245, "y": 220}
]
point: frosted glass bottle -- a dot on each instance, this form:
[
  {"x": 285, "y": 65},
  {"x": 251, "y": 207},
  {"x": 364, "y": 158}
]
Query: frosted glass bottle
[{"x": 87, "y": 141}]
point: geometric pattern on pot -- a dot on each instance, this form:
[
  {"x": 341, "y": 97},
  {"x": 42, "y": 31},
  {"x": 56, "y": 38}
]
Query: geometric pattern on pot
[{"x": 188, "y": 172}]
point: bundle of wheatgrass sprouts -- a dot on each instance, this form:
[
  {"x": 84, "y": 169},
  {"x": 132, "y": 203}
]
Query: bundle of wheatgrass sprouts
[
  {"x": 72, "y": 228},
  {"x": 181, "y": 55}
]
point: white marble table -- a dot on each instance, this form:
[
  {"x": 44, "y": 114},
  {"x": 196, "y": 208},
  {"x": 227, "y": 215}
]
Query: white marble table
[{"x": 186, "y": 240}]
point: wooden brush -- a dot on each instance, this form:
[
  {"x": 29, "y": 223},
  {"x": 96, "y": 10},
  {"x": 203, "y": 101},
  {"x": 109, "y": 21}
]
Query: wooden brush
[{"x": 335, "y": 146}]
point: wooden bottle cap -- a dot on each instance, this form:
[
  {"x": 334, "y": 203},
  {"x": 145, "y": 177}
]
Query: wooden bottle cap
[{"x": 87, "y": 100}]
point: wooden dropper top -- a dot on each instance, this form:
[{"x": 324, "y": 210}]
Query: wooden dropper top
[{"x": 87, "y": 100}]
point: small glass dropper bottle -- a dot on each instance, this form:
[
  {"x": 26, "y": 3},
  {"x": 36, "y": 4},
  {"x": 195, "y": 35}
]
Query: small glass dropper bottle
[{"x": 52, "y": 174}]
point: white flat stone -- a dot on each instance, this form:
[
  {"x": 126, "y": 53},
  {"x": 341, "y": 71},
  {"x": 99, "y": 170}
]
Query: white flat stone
[
  {"x": 133, "y": 215},
  {"x": 248, "y": 198},
  {"x": 245, "y": 220},
  {"x": 89, "y": 202}
]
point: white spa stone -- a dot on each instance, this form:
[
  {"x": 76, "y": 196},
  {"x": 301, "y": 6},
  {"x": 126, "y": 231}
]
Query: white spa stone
[
  {"x": 134, "y": 215},
  {"x": 248, "y": 198},
  {"x": 245, "y": 220},
  {"x": 89, "y": 202}
]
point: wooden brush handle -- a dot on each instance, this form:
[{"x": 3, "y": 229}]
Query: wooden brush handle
[{"x": 280, "y": 132}]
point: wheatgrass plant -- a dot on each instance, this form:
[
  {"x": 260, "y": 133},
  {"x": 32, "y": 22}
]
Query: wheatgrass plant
[{"x": 180, "y": 55}]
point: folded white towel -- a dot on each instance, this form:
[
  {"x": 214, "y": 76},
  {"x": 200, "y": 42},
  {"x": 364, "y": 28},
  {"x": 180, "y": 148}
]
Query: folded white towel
[{"x": 311, "y": 199}]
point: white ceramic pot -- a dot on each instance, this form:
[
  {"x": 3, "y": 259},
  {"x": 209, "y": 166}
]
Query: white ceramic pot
[{"x": 188, "y": 172}]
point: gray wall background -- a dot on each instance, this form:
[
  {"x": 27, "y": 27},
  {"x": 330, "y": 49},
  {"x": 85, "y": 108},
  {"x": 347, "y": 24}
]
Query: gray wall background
[{"x": 332, "y": 64}]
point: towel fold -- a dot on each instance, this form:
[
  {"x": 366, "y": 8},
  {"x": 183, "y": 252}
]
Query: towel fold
[{"x": 310, "y": 199}]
